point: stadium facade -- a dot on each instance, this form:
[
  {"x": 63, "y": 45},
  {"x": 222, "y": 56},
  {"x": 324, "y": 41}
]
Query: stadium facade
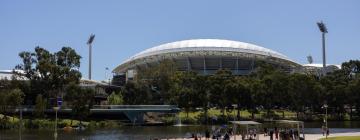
[{"x": 206, "y": 56}]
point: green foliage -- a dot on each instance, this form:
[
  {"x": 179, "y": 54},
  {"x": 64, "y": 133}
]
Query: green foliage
[
  {"x": 184, "y": 90},
  {"x": 80, "y": 100},
  {"x": 156, "y": 82},
  {"x": 12, "y": 98},
  {"x": 115, "y": 99},
  {"x": 15, "y": 97},
  {"x": 40, "y": 106},
  {"x": 267, "y": 88},
  {"x": 48, "y": 73}
]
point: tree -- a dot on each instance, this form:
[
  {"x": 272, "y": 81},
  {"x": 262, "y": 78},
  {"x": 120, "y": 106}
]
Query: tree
[
  {"x": 81, "y": 100},
  {"x": 335, "y": 84},
  {"x": 220, "y": 85},
  {"x": 48, "y": 73},
  {"x": 138, "y": 93},
  {"x": 352, "y": 70},
  {"x": 202, "y": 93},
  {"x": 3, "y": 102},
  {"x": 40, "y": 106},
  {"x": 256, "y": 90},
  {"x": 15, "y": 98},
  {"x": 300, "y": 87},
  {"x": 115, "y": 99},
  {"x": 157, "y": 79},
  {"x": 239, "y": 94},
  {"x": 184, "y": 92},
  {"x": 273, "y": 91},
  {"x": 353, "y": 94}
]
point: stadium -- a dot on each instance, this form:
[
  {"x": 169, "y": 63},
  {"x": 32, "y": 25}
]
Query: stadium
[{"x": 206, "y": 56}]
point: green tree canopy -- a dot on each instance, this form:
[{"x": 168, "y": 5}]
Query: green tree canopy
[
  {"x": 115, "y": 99},
  {"x": 49, "y": 73}
]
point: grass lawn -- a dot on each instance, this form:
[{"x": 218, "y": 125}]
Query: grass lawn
[
  {"x": 343, "y": 138},
  {"x": 243, "y": 113}
]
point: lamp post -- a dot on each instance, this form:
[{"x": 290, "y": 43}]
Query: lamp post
[
  {"x": 56, "y": 118},
  {"x": 323, "y": 30},
  {"x": 89, "y": 42},
  {"x": 325, "y": 119},
  {"x": 20, "y": 125},
  {"x": 56, "y": 108},
  {"x": 107, "y": 75}
]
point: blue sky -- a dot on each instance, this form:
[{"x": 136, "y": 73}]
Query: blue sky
[{"x": 124, "y": 28}]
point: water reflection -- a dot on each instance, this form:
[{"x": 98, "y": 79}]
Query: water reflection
[{"x": 148, "y": 132}]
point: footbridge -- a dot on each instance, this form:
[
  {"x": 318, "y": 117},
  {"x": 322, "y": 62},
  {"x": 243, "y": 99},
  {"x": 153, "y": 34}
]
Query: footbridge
[{"x": 133, "y": 113}]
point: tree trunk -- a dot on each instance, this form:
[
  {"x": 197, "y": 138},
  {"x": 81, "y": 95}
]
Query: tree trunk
[
  {"x": 13, "y": 119},
  {"x": 297, "y": 115},
  {"x": 350, "y": 112},
  {"x": 223, "y": 111},
  {"x": 238, "y": 113},
  {"x": 206, "y": 116}
]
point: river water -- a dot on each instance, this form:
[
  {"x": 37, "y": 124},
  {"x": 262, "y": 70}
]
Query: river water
[{"x": 149, "y": 132}]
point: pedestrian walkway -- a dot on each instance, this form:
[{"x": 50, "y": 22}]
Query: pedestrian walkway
[{"x": 307, "y": 136}]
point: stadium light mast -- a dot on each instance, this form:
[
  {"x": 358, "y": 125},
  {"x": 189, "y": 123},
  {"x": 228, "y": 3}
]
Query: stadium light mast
[
  {"x": 89, "y": 42},
  {"x": 323, "y": 30}
]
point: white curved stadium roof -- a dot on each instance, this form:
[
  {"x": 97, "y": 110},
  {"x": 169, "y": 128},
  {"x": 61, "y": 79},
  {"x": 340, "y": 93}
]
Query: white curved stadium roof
[
  {"x": 207, "y": 45},
  {"x": 321, "y": 65}
]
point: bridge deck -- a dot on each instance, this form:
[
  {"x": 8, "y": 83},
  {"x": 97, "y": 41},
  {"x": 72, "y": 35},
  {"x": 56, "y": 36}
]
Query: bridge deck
[{"x": 134, "y": 113}]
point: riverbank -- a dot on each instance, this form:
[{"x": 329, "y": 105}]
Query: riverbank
[
  {"x": 129, "y": 133},
  {"x": 307, "y": 136},
  {"x": 10, "y": 122},
  {"x": 216, "y": 117}
]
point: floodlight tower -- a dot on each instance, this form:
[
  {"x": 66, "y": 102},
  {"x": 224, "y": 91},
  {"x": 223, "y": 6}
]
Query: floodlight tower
[
  {"x": 323, "y": 30},
  {"x": 89, "y": 42}
]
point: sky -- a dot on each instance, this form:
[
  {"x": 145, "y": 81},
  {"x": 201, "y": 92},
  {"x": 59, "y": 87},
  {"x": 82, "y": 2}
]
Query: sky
[{"x": 126, "y": 27}]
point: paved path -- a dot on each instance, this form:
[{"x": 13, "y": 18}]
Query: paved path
[{"x": 307, "y": 136}]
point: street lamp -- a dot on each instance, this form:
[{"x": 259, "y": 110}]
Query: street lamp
[
  {"x": 21, "y": 123},
  {"x": 107, "y": 75},
  {"x": 323, "y": 30},
  {"x": 325, "y": 119},
  {"x": 56, "y": 118},
  {"x": 56, "y": 108},
  {"x": 89, "y": 42}
]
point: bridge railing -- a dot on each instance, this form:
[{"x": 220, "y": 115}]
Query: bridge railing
[{"x": 135, "y": 107}]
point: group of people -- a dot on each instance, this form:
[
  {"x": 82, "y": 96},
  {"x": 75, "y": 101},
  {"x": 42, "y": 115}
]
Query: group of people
[
  {"x": 251, "y": 134},
  {"x": 218, "y": 134},
  {"x": 282, "y": 134},
  {"x": 215, "y": 135}
]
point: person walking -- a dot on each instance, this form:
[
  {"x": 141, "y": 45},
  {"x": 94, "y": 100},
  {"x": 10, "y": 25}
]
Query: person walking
[
  {"x": 271, "y": 135},
  {"x": 327, "y": 132},
  {"x": 265, "y": 131},
  {"x": 226, "y": 136},
  {"x": 207, "y": 134},
  {"x": 276, "y": 133}
]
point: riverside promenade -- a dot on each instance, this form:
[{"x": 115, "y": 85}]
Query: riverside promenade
[{"x": 307, "y": 136}]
